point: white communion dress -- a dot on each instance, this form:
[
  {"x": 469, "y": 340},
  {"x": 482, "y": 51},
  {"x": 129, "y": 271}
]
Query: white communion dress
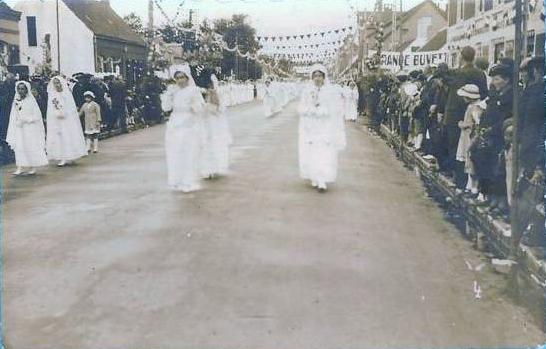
[
  {"x": 26, "y": 131},
  {"x": 268, "y": 101},
  {"x": 65, "y": 140},
  {"x": 351, "y": 104},
  {"x": 183, "y": 136},
  {"x": 216, "y": 141},
  {"x": 321, "y": 133}
]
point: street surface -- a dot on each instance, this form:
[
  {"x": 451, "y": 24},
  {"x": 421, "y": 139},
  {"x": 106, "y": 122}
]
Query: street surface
[{"x": 103, "y": 255}]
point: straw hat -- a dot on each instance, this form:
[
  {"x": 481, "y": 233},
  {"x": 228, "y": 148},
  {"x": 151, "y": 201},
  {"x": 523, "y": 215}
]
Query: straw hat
[
  {"x": 89, "y": 93},
  {"x": 469, "y": 91}
]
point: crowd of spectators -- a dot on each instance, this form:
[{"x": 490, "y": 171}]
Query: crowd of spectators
[{"x": 461, "y": 120}]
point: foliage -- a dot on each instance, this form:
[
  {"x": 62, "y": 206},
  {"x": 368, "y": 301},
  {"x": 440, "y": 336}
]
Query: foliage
[{"x": 135, "y": 22}]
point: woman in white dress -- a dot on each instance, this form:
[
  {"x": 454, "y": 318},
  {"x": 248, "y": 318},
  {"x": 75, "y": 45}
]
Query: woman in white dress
[
  {"x": 216, "y": 134},
  {"x": 65, "y": 140},
  {"x": 351, "y": 102},
  {"x": 183, "y": 134},
  {"x": 269, "y": 99},
  {"x": 26, "y": 132},
  {"x": 321, "y": 130}
]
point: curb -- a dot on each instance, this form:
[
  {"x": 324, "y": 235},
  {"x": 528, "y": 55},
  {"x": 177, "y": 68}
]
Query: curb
[{"x": 496, "y": 231}]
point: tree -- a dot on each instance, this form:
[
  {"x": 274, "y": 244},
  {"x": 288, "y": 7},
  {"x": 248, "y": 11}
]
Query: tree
[
  {"x": 236, "y": 32},
  {"x": 135, "y": 22}
]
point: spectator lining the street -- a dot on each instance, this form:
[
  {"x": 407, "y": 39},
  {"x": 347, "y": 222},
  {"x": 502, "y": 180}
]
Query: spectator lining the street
[
  {"x": 91, "y": 112},
  {"x": 26, "y": 132},
  {"x": 474, "y": 111},
  {"x": 455, "y": 108}
]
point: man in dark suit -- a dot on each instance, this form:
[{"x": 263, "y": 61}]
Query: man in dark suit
[{"x": 456, "y": 106}]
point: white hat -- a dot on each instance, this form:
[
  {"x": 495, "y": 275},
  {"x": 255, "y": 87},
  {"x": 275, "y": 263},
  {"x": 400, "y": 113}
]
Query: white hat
[
  {"x": 470, "y": 91},
  {"x": 89, "y": 93},
  {"x": 411, "y": 89}
]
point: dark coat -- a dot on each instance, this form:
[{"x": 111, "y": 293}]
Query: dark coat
[
  {"x": 487, "y": 151},
  {"x": 455, "y": 105},
  {"x": 531, "y": 112},
  {"x": 7, "y": 93}
]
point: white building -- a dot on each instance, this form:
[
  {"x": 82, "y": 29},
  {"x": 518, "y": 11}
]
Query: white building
[
  {"x": 87, "y": 36},
  {"x": 488, "y": 26}
]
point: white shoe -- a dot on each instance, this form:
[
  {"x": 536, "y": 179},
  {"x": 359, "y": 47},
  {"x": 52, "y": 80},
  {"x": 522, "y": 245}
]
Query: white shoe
[
  {"x": 322, "y": 187},
  {"x": 62, "y": 164},
  {"x": 18, "y": 172},
  {"x": 32, "y": 172},
  {"x": 314, "y": 184}
]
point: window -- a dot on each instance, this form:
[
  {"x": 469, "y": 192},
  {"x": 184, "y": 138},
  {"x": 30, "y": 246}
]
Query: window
[
  {"x": 531, "y": 43},
  {"x": 31, "y": 31},
  {"x": 485, "y": 52},
  {"x": 488, "y": 5},
  {"x": 509, "y": 49},
  {"x": 499, "y": 51}
]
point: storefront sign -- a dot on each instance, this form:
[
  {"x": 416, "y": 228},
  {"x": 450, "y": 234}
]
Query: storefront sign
[{"x": 394, "y": 61}]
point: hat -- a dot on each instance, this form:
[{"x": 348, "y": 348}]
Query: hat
[
  {"x": 89, "y": 93},
  {"x": 503, "y": 70},
  {"x": 469, "y": 91},
  {"x": 411, "y": 89}
]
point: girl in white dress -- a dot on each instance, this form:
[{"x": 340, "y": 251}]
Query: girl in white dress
[
  {"x": 269, "y": 99},
  {"x": 183, "y": 134},
  {"x": 321, "y": 130},
  {"x": 65, "y": 140},
  {"x": 216, "y": 134},
  {"x": 351, "y": 102},
  {"x": 26, "y": 132}
]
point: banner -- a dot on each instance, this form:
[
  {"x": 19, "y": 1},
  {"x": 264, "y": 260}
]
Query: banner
[{"x": 394, "y": 61}]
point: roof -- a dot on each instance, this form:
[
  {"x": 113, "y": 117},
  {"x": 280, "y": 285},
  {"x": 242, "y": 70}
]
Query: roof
[
  {"x": 437, "y": 42},
  {"x": 8, "y": 13},
  {"x": 103, "y": 21},
  {"x": 404, "y": 46},
  {"x": 404, "y": 16}
]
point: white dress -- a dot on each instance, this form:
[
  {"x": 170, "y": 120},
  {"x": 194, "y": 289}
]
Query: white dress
[
  {"x": 65, "y": 140},
  {"x": 277, "y": 98},
  {"x": 268, "y": 101},
  {"x": 215, "y": 142},
  {"x": 351, "y": 104},
  {"x": 183, "y": 137},
  {"x": 26, "y": 132},
  {"x": 321, "y": 133}
]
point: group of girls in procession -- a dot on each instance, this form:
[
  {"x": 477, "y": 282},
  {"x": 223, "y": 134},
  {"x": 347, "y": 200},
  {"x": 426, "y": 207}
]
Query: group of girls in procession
[
  {"x": 65, "y": 142},
  {"x": 276, "y": 95},
  {"x": 197, "y": 137}
]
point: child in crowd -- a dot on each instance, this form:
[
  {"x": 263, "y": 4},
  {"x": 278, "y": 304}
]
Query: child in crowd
[
  {"x": 90, "y": 110},
  {"x": 473, "y": 114}
]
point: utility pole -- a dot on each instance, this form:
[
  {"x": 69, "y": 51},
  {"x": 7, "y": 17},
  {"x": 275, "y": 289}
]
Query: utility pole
[
  {"x": 151, "y": 20},
  {"x": 515, "y": 220},
  {"x": 58, "y": 37}
]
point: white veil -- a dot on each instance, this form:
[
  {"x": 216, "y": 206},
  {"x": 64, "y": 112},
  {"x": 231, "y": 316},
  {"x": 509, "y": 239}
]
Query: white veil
[
  {"x": 69, "y": 105},
  {"x": 34, "y": 115}
]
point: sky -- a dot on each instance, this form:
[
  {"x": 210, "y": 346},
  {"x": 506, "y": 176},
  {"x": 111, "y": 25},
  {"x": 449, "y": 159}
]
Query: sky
[{"x": 269, "y": 17}]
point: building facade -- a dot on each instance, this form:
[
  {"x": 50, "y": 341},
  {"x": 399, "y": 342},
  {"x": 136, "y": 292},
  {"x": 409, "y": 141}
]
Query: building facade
[
  {"x": 74, "y": 36},
  {"x": 488, "y": 26},
  {"x": 9, "y": 37}
]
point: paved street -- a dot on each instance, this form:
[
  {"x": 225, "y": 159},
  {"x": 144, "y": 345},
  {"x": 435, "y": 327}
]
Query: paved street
[{"x": 102, "y": 255}]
